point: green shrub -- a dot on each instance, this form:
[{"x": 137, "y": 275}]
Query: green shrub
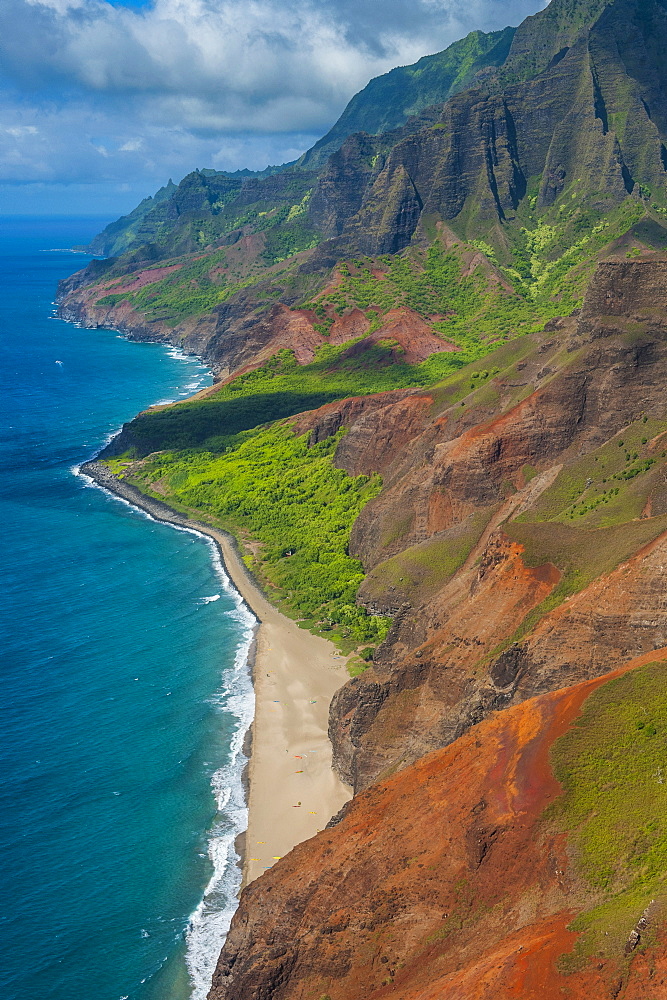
[{"x": 289, "y": 497}]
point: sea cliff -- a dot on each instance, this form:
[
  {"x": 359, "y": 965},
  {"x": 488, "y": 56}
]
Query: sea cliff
[{"x": 439, "y": 436}]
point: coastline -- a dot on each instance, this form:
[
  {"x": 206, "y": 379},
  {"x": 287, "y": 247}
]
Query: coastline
[{"x": 291, "y": 788}]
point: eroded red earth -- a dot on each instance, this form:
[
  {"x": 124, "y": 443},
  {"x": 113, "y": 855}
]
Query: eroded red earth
[{"x": 444, "y": 882}]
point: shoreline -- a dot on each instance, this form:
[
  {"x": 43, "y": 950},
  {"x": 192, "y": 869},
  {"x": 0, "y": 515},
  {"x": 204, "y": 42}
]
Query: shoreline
[{"x": 291, "y": 789}]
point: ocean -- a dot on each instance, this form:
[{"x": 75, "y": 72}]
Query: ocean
[{"x": 125, "y": 688}]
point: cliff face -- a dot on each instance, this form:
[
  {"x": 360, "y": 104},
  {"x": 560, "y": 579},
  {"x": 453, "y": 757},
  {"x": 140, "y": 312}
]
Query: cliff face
[
  {"x": 563, "y": 144},
  {"x": 509, "y": 564},
  {"x": 502, "y": 772},
  {"x": 458, "y": 879},
  {"x": 507, "y": 836},
  {"x": 572, "y": 113},
  {"x": 246, "y": 330},
  {"x": 389, "y": 100},
  {"x": 589, "y": 121}
]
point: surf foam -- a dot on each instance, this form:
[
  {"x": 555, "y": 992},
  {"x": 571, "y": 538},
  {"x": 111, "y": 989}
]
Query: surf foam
[{"x": 210, "y": 921}]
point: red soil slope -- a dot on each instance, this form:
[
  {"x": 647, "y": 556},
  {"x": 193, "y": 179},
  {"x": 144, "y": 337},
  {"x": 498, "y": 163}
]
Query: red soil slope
[{"x": 445, "y": 882}]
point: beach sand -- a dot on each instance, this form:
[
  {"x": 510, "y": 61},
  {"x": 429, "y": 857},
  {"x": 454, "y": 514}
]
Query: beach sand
[{"x": 293, "y": 791}]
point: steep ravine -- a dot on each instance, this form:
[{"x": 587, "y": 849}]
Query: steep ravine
[{"x": 448, "y": 879}]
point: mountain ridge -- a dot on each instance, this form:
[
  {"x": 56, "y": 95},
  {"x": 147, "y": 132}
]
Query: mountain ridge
[
  {"x": 450, "y": 338},
  {"x": 387, "y": 101}
]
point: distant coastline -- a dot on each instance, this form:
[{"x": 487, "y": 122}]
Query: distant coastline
[{"x": 292, "y": 790}]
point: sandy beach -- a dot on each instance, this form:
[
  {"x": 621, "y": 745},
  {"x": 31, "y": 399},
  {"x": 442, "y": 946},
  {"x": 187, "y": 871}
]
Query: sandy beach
[{"x": 293, "y": 791}]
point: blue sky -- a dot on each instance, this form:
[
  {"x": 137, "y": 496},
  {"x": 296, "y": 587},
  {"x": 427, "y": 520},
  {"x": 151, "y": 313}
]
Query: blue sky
[{"x": 101, "y": 102}]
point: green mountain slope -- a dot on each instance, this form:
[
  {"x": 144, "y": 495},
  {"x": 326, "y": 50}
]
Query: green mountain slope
[
  {"x": 479, "y": 220},
  {"x": 389, "y": 100},
  {"x": 202, "y": 192},
  {"x": 533, "y": 156},
  {"x": 121, "y": 234},
  {"x": 439, "y": 437},
  {"x": 562, "y": 149}
]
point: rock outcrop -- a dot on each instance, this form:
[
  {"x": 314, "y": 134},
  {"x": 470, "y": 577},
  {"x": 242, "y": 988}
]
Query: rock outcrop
[
  {"x": 445, "y": 543},
  {"x": 471, "y": 166},
  {"x": 455, "y": 880}
]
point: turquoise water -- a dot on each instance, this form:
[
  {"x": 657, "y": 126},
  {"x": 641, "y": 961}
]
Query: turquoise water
[{"x": 124, "y": 687}]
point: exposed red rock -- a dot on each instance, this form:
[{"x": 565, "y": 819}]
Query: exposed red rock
[
  {"x": 438, "y": 694},
  {"x": 445, "y": 882},
  {"x": 142, "y": 278},
  {"x": 413, "y": 334},
  {"x": 488, "y": 616},
  {"x": 459, "y": 475}
]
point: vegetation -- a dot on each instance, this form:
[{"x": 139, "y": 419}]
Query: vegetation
[
  {"x": 216, "y": 458},
  {"x": 388, "y": 100},
  {"x": 581, "y": 555},
  {"x": 419, "y": 571},
  {"x": 470, "y": 311},
  {"x": 205, "y": 208},
  {"x": 270, "y": 485},
  {"x": 590, "y": 519},
  {"x": 609, "y": 486},
  {"x": 612, "y": 767},
  {"x": 195, "y": 287},
  {"x": 281, "y": 388},
  {"x": 554, "y": 253}
]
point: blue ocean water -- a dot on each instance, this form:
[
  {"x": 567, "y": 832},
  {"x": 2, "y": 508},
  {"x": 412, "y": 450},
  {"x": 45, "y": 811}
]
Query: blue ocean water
[{"x": 124, "y": 688}]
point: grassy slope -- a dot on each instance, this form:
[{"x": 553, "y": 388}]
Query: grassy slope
[
  {"x": 584, "y": 528},
  {"x": 479, "y": 314},
  {"x": 281, "y": 388},
  {"x": 590, "y": 519},
  {"x": 270, "y": 486},
  {"x": 612, "y": 766},
  {"x": 420, "y": 571},
  {"x": 207, "y": 207},
  {"x": 465, "y": 308},
  {"x": 217, "y": 447}
]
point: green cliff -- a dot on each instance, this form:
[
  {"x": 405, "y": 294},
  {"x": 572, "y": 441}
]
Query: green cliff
[{"x": 439, "y": 435}]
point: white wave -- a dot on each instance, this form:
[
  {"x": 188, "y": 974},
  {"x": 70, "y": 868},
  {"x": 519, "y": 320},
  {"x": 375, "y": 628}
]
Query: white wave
[
  {"x": 66, "y": 250},
  {"x": 210, "y": 922},
  {"x": 178, "y": 353},
  {"x": 76, "y": 469}
]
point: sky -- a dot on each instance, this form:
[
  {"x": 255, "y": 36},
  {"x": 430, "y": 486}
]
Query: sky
[{"x": 102, "y": 101}]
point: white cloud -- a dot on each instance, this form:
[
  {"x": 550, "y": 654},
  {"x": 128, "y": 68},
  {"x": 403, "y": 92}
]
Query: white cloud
[
  {"x": 233, "y": 56},
  {"x": 17, "y": 131},
  {"x": 94, "y": 89}
]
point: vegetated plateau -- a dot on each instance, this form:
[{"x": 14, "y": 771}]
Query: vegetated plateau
[{"x": 439, "y": 434}]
